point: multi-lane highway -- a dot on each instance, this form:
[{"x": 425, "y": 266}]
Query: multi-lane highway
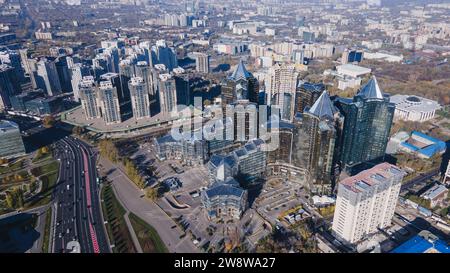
[{"x": 76, "y": 206}]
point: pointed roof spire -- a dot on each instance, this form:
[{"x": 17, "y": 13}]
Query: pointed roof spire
[
  {"x": 240, "y": 72},
  {"x": 371, "y": 90},
  {"x": 323, "y": 106}
]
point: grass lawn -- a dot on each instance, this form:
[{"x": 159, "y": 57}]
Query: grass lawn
[
  {"x": 45, "y": 196},
  {"x": 41, "y": 157},
  {"x": 118, "y": 232},
  {"x": 148, "y": 237},
  {"x": 12, "y": 168},
  {"x": 45, "y": 169},
  {"x": 46, "y": 238}
]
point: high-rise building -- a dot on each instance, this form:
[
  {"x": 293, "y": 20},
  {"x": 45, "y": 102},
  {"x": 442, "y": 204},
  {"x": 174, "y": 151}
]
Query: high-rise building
[
  {"x": 245, "y": 120},
  {"x": 307, "y": 94},
  {"x": 47, "y": 77},
  {"x": 321, "y": 123},
  {"x": 140, "y": 102},
  {"x": 368, "y": 119},
  {"x": 281, "y": 84},
  {"x": 13, "y": 59},
  {"x": 447, "y": 175},
  {"x": 88, "y": 97},
  {"x": 8, "y": 85},
  {"x": 366, "y": 202},
  {"x": 127, "y": 72},
  {"x": 182, "y": 85},
  {"x": 241, "y": 85},
  {"x": 11, "y": 143},
  {"x": 167, "y": 93},
  {"x": 28, "y": 66},
  {"x": 108, "y": 101},
  {"x": 144, "y": 71},
  {"x": 202, "y": 62},
  {"x": 78, "y": 71},
  {"x": 62, "y": 68},
  {"x": 165, "y": 55}
]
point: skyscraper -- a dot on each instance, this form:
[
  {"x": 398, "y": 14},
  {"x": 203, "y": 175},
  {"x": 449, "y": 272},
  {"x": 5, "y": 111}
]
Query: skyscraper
[
  {"x": 47, "y": 77},
  {"x": 307, "y": 94},
  {"x": 281, "y": 84},
  {"x": 88, "y": 97},
  {"x": 366, "y": 202},
  {"x": 140, "y": 102},
  {"x": 62, "y": 68},
  {"x": 108, "y": 101},
  {"x": 165, "y": 55},
  {"x": 126, "y": 68},
  {"x": 182, "y": 85},
  {"x": 78, "y": 71},
  {"x": 241, "y": 85},
  {"x": 167, "y": 93},
  {"x": 9, "y": 85},
  {"x": 368, "y": 119},
  {"x": 144, "y": 71},
  {"x": 321, "y": 125}
]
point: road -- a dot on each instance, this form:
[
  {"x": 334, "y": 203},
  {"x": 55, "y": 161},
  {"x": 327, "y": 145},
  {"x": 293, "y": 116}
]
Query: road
[
  {"x": 419, "y": 179},
  {"x": 77, "y": 210}
]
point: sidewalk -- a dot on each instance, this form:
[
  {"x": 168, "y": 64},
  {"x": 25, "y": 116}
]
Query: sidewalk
[
  {"x": 136, "y": 243},
  {"x": 129, "y": 195}
]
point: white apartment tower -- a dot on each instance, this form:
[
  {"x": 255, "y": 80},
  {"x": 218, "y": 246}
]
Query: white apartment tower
[
  {"x": 88, "y": 96},
  {"x": 167, "y": 93},
  {"x": 366, "y": 202},
  {"x": 280, "y": 84},
  {"x": 447, "y": 175},
  {"x": 108, "y": 101},
  {"x": 202, "y": 62},
  {"x": 140, "y": 102}
]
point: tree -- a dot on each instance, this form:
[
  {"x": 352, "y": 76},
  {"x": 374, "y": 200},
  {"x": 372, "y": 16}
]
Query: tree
[
  {"x": 48, "y": 121},
  {"x": 151, "y": 193},
  {"x": 77, "y": 130},
  {"x": 14, "y": 198}
]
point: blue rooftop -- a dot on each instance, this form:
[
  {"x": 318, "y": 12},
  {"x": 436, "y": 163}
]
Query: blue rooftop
[
  {"x": 436, "y": 146},
  {"x": 419, "y": 244}
]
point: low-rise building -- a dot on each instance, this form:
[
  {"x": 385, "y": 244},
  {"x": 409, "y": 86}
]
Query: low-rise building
[
  {"x": 424, "y": 242},
  {"x": 422, "y": 145},
  {"x": 414, "y": 108},
  {"x": 191, "y": 151},
  {"x": 435, "y": 194},
  {"x": 225, "y": 200}
]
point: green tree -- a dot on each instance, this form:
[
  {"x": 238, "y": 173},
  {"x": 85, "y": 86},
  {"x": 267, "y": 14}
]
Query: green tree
[
  {"x": 151, "y": 193},
  {"x": 48, "y": 121},
  {"x": 14, "y": 198}
]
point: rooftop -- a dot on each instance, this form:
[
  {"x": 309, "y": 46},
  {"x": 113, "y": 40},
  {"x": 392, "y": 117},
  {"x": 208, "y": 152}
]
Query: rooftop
[
  {"x": 414, "y": 103},
  {"x": 371, "y": 177},
  {"x": 7, "y": 125},
  {"x": 434, "y": 192},
  {"x": 423, "y": 243}
]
